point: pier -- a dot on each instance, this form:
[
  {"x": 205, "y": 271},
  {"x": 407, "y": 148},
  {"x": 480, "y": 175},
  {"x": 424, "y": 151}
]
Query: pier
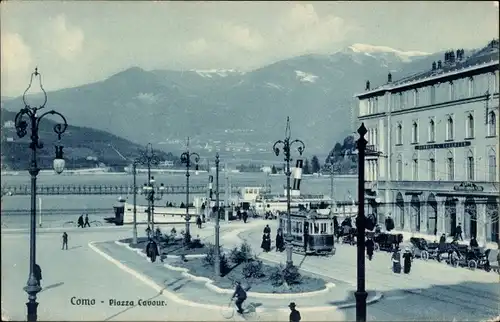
[{"x": 23, "y": 190}]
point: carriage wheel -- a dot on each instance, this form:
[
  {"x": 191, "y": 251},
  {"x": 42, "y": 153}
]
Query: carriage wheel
[
  {"x": 424, "y": 255},
  {"x": 472, "y": 264}
]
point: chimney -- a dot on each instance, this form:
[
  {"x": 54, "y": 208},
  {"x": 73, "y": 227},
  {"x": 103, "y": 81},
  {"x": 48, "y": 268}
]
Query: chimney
[
  {"x": 452, "y": 57},
  {"x": 446, "y": 56},
  {"x": 389, "y": 78},
  {"x": 439, "y": 64},
  {"x": 459, "y": 55},
  {"x": 367, "y": 88},
  {"x": 434, "y": 65}
]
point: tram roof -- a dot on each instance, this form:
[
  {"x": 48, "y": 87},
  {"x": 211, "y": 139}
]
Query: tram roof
[
  {"x": 294, "y": 198},
  {"x": 309, "y": 213}
]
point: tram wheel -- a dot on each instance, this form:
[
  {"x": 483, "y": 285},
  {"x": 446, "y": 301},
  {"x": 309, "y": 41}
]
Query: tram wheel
[
  {"x": 472, "y": 264},
  {"x": 424, "y": 255}
]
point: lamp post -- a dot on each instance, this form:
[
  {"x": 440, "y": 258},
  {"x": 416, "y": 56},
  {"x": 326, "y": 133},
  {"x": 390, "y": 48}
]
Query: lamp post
[
  {"x": 360, "y": 293},
  {"x": 149, "y": 158},
  {"x": 332, "y": 163},
  {"x": 28, "y": 117},
  {"x": 153, "y": 193},
  {"x": 217, "y": 218},
  {"x": 286, "y": 145},
  {"x": 187, "y": 157}
]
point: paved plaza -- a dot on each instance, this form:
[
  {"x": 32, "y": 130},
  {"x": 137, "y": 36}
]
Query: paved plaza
[{"x": 97, "y": 268}]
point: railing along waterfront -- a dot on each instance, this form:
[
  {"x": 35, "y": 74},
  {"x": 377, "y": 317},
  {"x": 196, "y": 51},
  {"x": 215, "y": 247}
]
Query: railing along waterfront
[{"x": 104, "y": 189}]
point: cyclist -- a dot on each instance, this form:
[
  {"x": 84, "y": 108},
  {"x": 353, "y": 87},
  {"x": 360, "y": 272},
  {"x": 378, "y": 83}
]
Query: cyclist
[{"x": 241, "y": 296}]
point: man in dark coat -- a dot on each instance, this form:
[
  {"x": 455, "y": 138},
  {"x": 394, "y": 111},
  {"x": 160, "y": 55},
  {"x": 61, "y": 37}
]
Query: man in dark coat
[
  {"x": 152, "y": 250},
  {"x": 245, "y": 217},
  {"x": 64, "y": 241},
  {"x": 198, "y": 222},
  {"x": 458, "y": 232},
  {"x": 336, "y": 227},
  {"x": 408, "y": 257},
  {"x": 80, "y": 221},
  {"x": 86, "y": 221},
  {"x": 241, "y": 296},
  {"x": 441, "y": 247},
  {"x": 267, "y": 229},
  {"x": 370, "y": 246},
  {"x": 473, "y": 242},
  {"x": 38, "y": 274},
  {"x": 294, "y": 313},
  {"x": 279, "y": 241},
  {"x": 266, "y": 242}
]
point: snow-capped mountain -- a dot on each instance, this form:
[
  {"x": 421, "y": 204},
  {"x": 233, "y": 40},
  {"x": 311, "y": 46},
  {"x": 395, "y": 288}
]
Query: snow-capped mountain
[{"x": 316, "y": 91}]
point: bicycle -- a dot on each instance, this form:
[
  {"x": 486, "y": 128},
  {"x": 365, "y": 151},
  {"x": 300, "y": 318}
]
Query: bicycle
[
  {"x": 229, "y": 311},
  {"x": 94, "y": 223}
]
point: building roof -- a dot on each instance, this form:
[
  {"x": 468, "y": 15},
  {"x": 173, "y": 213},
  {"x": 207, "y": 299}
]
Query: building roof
[{"x": 489, "y": 55}]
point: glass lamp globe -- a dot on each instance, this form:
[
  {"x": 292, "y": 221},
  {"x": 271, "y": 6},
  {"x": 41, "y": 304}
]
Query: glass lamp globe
[{"x": 58, "y": 165}]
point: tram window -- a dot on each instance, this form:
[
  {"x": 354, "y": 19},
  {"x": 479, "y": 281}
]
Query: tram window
[
  {"x": 316, "y": 228},
  {"x": 300, "y": 228},
  {"x": 323, "y": 228}
]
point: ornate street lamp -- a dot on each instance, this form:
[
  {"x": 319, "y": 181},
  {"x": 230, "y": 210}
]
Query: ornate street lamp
[
  {"x": 148, "y": 158},
  {"x": 217, "y": 218},
  {"x": 29, "y": 117},
  {"x": 186, "y": 158},
  {"x": 153, "y": 193},
  {"x": 286, "y": 145}
]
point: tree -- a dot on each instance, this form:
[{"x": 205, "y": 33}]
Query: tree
[
  {"x": 315, "y": 166},
  {"x": 305, "y": 168},
  {"x": 274, "y": 170}
]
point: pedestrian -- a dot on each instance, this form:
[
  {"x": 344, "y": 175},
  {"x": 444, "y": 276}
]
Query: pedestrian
[
  {"x": 294, "y": 313},
  {"x": 203, "y": 218},
  {"x": 86, "y": 221},
  {"x": 64, "y": 241},
  {"x": 279, "y": 240},
  {"x": 152, "y": 250},
  {"x": 408, "y": 257},
  {"x": 80, "y": 221},
  {"x": 198, "y": 222},
  {"x": 458, "y": 232},
  {"x": 245, "y": 217},
  {"x": 336, "y": 228},
  {"x": 370, "y": 246},
  {"x": 148, "y": 232},
  {"x": 441, "y": 247},
  {"x": 306, "y": 237},
  {"x": 473, "y": 242},
  {"x": 267, "y": 229},
  {"x": 396, "y": 261},
  {"x": 266, "y": 242},
  {"x": 38, "y": 274}
]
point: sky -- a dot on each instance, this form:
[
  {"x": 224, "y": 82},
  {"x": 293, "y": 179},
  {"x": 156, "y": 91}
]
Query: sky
[{"x": 74, "y": 43}]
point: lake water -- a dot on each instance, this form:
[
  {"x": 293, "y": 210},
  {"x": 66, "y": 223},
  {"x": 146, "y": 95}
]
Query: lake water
[{"x": 69, "y": 207}]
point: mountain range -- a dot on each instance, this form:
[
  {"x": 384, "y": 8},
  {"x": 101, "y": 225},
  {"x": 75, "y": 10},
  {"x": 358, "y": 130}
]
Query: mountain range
[{"x": 159, "y": 106}]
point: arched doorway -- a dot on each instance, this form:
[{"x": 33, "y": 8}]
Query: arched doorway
[
  {"x": 492, "y": 220},
  {"x": 450, "y": 206},
  {"x": 400, "y": 211},
  {"x": 470, "y": 218},
  {"x": 431, "y": 214},
  {"x": 415, "y": 213}
]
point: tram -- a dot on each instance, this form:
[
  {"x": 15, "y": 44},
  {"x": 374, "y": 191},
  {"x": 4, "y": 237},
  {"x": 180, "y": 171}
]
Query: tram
[{"x": 312, "y": 232}]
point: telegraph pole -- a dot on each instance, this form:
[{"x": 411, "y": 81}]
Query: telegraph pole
[{"x": 217, "y": 218}]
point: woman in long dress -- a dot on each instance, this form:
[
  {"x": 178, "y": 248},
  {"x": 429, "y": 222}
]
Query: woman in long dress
[{"x": 408, "y": 257}]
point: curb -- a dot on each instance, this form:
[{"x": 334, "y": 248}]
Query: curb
[{"x": 209, "y": 283}]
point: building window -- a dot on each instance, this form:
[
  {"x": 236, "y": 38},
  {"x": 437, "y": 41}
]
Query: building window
[
  {"x": 492, "y": 124},
  {"x": 492, "y": 167},
  {"x": 450, "y": 165},
  {"x": 470, "y": 126},
  {"x": 432, "y": 131},
  {"x": 415, "y": 98},
  {"x": 375, "y": 105},
  {"x": 471, "y": 86},
  {"x": 399, "y": 170},
  {"x": 402, "y": 100},
  {"x": 415, "y": 168},
  {"x": 452, "y": 91},
  {"x": 414, "y": 132},
  {"x": 470, "y": 166},
  {"x": 432, "y": 168},
  {"x": 449, "y": 128},
  {"x": 433, "y": 94},
  {"x": 399, "y": 134}
]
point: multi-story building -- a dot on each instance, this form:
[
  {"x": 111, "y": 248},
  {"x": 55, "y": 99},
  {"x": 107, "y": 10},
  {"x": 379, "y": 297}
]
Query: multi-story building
[{"x": 435, "y": 139}]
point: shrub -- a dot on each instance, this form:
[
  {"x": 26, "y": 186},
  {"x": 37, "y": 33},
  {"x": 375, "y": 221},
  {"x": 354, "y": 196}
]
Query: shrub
[
  {"x": 241, "y": 254},
  {"x": 280, "y": 275},
  {"x": 253, "y": 269}
]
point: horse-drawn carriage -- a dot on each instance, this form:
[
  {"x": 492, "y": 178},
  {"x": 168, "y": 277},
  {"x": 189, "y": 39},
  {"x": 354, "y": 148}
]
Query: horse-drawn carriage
[{"x": 312, "y": 232}]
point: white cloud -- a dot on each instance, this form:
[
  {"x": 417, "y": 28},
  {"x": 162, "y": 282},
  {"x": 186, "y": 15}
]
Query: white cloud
[
  {"x": 243, "y": 37},
  {"x": 65, "y": 39},
  {"x": 16, "y": 60}
]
